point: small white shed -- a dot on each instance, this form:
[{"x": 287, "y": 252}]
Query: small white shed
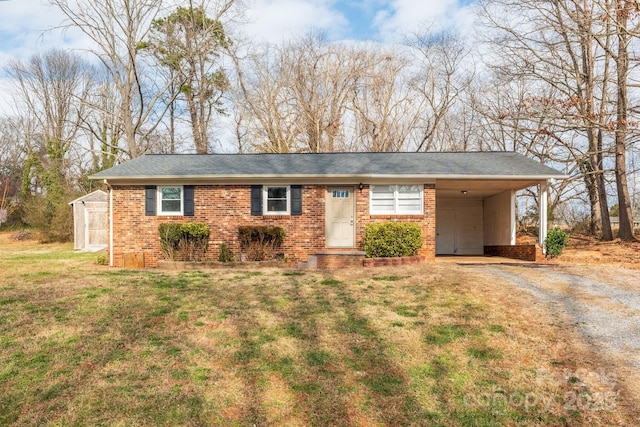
[{"x": 90, "y": 225}]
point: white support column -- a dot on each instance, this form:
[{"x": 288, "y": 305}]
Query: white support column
[
  {"x": 512, "y": 237},
  {"x": 543, "y": 196}
]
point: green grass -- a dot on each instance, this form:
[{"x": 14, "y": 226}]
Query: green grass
[{"x": 82, "y": 344}]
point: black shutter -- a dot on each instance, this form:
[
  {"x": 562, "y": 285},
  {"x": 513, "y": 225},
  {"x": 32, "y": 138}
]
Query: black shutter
[
  {"x": 188, "y": 200},
  {"x": 256, "y": 200},
  {"x": 296, "y": 200},
  {"x": 150, "y": 200}
]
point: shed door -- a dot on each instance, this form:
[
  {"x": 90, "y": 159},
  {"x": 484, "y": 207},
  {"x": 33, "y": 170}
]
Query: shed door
[
  {"x": 445, "y": 232},
  {"x": 96, "y": 230},
  {"x": 340, "y": 217}
]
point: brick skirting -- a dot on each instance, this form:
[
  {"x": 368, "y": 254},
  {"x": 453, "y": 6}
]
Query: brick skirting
[
  {"x": 521, "y": 252},
  {"x": 384, "y": 262},
  {"x": 338, "y": 259}
]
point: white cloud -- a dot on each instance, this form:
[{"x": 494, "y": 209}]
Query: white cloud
[
  {"x": 406, "y": 16},
  {"x": 26, "y": 29},
  {"x": 277, "y": 20}
]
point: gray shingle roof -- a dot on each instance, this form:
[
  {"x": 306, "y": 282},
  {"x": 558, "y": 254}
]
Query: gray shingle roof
[{"x": 428, "y": 165}]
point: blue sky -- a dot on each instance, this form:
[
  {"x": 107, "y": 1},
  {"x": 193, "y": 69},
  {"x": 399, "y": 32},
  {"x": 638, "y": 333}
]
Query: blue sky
[
  {"x": 23, "y": 23},
  {"x": 379, "y": 20}
]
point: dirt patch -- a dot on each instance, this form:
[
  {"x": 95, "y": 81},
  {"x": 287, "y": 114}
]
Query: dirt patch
[{"x": 588, "y": 250}]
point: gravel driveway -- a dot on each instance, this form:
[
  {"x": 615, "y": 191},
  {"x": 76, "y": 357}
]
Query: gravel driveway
[{"x": 602, "y": 302}]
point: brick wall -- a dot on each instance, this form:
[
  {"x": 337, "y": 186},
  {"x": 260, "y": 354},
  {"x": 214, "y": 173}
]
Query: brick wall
[
  {"x": 521, "y": 252},
  {"x": 225, "y": 207}
]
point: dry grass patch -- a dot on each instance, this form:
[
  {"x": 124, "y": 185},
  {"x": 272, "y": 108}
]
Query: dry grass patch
[{"x": 415, "y": 345}]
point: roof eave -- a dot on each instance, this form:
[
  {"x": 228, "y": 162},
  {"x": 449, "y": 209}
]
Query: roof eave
[
  {"x": 331, "y": 177},
  {"x": 325, "y": 178}
]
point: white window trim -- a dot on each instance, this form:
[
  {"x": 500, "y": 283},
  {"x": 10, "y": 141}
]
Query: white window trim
[
  {"x": 159, "y": 201},
  {"x": 396, "y": 193},
  {"x": 265, "y": 192}
]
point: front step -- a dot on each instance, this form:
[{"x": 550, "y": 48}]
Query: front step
[{"x": 333, "y": 259}]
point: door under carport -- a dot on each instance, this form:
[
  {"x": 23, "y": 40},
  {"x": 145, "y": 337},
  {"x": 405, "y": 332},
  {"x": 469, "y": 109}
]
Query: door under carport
[{"x": 459, "y": 227}]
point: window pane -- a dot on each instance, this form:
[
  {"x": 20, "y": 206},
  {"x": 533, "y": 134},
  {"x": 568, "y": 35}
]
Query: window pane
[
  {"x": 409, "y": 206},
  {"x": 171, "y": 206},
  {"x": 277, "y": 193},
  {"x": 170, "y": 193},
  {"x": 382, "y": 191},
  {"x": 277, "y": 205},
  {"x": 408, "y": 189},
  {"x": 384, "y": 206}
]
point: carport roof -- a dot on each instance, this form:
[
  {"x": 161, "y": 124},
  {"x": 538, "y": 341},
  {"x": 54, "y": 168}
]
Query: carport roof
[{"x": 440, "y": 165}]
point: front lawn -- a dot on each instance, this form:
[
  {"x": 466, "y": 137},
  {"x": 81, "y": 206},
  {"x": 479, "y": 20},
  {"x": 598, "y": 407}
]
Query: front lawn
[{"x": 82, "y": 344}]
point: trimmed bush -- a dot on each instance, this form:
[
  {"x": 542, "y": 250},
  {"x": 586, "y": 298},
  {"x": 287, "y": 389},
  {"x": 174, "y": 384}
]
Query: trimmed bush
[
  {"x": 260, "y": 243},
  {"x": 392, "y": 239},
  {"x": 169, "y": 239},
  {"x": 556, "y": 240},
  {"x": 188, "y": 241}
]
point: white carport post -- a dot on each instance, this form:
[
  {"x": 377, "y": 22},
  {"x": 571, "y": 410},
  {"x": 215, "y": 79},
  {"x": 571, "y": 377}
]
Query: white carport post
[
  {"x": 543, "y": 195},
  {"x": 512, "y": 236}
]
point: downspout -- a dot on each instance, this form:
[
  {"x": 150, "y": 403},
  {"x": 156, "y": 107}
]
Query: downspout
[{"x": 110, "y": 221}]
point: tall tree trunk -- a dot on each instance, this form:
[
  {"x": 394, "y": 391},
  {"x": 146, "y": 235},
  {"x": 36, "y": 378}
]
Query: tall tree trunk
[
  {"x": 622, "y": 64},
  {"x": 605, "y": 220},
  {"x": 600, "y": 223}
]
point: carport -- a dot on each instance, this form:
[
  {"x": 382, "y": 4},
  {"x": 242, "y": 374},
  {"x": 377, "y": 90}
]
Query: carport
[{"x": 477, "y": 216}]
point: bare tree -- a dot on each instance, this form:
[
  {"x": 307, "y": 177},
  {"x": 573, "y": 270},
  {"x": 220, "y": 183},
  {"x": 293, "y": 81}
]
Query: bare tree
[
  {"x": 116, "y": 28},
  {"x": 13, "y": 152},
  {"x": 295, "y": 95},
  {"x": 320, "y": 77},
  {"x": 49, "y": 87},
  {"x": 314, "y": 96},
  {"x": 555, "y": 47},
  {"x": 444, "y": 73},
  {"x": 265, "y": 113},
  {"x": 385, "y": 108}
]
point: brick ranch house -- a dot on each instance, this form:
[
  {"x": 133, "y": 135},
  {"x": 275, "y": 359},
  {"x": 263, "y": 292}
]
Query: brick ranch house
[{"x": 464, "y": 201}]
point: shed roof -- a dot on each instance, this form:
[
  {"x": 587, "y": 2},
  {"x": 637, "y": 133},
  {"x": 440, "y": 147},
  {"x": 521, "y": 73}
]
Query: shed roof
[
  {"x": 439, "y": 165},
  {"x": 96, "y": 196}
]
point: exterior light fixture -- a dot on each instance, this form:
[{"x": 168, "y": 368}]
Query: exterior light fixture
[
  {"x": 464, "y": 192},
  {"x": 361, "y": 186}
]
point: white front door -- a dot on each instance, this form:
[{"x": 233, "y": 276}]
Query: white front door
[
  {"x": 340, "y": 217},
  {"x": 445, "y": 232}
]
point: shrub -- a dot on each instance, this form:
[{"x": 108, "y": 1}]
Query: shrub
[
  {"x": 392, "y": 239},
  {"x": 169, "y": 239},
  {"x": 52, "y": 217},
  {"x": 555, "y": 242},
  {"x": 260, "y": 243},
  {"x": 225, "y": 254},
  {"x": 101, "y": 259},
  {"x": 188, "y": 241},
  {"x": 194, "y": 241}
]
